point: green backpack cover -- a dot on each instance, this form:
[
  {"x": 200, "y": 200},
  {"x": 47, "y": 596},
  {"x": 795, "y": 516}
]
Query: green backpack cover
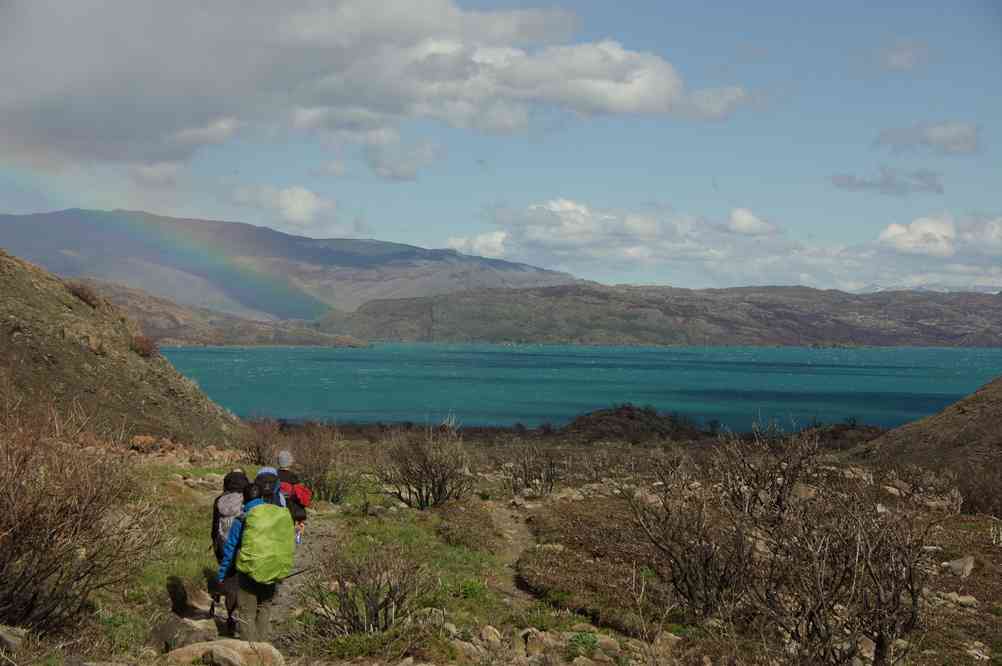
[{"x": 267, "y": 544}]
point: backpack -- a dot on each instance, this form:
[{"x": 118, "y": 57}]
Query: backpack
[
  {"x": 297, "y": 496},
  {"x": 268, "y": 544},
  {"x": 229, "y": 506}
]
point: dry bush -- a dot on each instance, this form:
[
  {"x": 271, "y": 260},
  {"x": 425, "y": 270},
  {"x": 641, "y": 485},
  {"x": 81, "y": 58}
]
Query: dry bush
[
  {"x": 531, "y": 471},
  {"x": 144, "y": 346},
  {"x": 261, "y": 446},
  {"x": 468, "y": 524},
  {"x": 85, "y": 293},
  {"x": 364, "y": 592},
  {"x": 321, "y": 461},
  {"x": 71, "y": 521},
  {"x": 428, "y": 470},
  {"x": 981, "y": 487}
]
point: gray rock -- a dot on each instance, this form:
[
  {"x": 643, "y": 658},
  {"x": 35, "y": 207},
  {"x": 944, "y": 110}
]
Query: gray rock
[
  {"x": 226, "y": 653},
  {"x": 177, "y": 632},
  {"x": 467, "y": 650},
  {"x": 490, "y": 635},
  {"x": 960, "y": 567}
]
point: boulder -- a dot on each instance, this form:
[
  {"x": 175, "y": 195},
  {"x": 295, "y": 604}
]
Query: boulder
[
  {"x": 227, "y": 652},
  {"x": 965, "y": 600},
  {"x": 468, "y": 651},
  {"x": 960, "y": 567},
  {"x": 665, "y": 644},
  {"x": 608, "y": 645},
  {"x": 177, "y": 632},
  {"x": 490, "y": 635}
]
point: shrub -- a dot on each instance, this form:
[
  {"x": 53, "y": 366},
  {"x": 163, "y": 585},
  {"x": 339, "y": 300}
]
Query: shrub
[
  {"x": 980, "y": 486},
  {"x": 144, "y": 346},
  {"x": 85, "y": 293},
  {"x": 261, "y": 446},
  {"x": 364, "y": 592},
  {"x": 531, "y": 471},
  {"x": 427, "y": 471},
  {"x": 71, "y": 523},
  {"x": 320, "y": 461}
]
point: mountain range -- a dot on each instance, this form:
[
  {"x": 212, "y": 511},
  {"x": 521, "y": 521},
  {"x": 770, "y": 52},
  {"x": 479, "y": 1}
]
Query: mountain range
[{"x": 209, "y": 282}]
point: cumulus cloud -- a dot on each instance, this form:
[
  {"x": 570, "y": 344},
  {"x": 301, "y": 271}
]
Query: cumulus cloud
[
  {"x": 743, "y": 221},
  {"x": 936, "y": 251},
  {"x": 946, "y": 138},
  {"x": 297, "y": 206},
  {"x": 187, "y": 74},
  {"x": 904, "y": 55},
  {"x": 489, "y": 244},
  {"x": 892, "y": 182},
  {"x": 932, "y": 236}
]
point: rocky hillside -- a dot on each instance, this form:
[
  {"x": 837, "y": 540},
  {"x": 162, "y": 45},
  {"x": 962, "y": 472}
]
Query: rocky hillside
[
  {"x": 589, "y": 313},
  {"x": 967, "y": 432},
  {"x": 252, "y": 272},
  {"x": 171, "y": 324},
  {"x": 79, "y": 351}
]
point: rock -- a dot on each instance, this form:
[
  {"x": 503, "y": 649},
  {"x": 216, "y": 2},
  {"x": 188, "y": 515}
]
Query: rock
[
  {"x": 965, "y": 600},
  {"x": 891, "y": 490},
  {"x": 583, "y": 628},
  {"x": 582, "y": 661},
  {"x": 450, "y": 629},
  {"x": 11, "y": 637},
  {"x": 978, "y": 651},
  {"x": 535, "y": 643},
  {"x": 867, "y": 648},
  {"x": 227, "y": 652},
  {"x": 467, "y": 650},
  {"x": 665, "y": 644},
  {"x": 802, "y": 491},
  {"x": 960, "y": 567},
  {"x": 177, "y": 632},
  {"x": 608, "y": 645},
  {"x": 490, "y": 635}
]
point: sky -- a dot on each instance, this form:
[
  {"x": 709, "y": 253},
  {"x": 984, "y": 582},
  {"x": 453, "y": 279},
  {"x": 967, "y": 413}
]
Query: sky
[{"x": 849, "y": 145}]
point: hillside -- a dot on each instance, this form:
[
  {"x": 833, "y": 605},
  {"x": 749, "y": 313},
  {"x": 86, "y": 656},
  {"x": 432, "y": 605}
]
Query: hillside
[
  {"x": 251, "y": 272},
  {"x": 967, "y": 432},
  {"x": 589, "y": 313},
  {"x": 170, "y": 324},
  {"x": 56, "y": 348}
]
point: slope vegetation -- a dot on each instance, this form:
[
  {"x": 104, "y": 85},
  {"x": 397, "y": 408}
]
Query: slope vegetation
[
  {"x": 77, "y": 351},
  {"x": 965, "y": 433},
  {"x": 589, "y": 313},
  {"x": 171, "y": 324}
]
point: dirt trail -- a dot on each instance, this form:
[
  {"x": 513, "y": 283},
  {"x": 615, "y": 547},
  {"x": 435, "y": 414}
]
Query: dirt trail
[
  {"x": 517, "y": 539},
  {"x": 320, "y": 534}
]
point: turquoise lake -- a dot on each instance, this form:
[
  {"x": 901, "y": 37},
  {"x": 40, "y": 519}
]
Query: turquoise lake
[{"x": 498, "y": 385}]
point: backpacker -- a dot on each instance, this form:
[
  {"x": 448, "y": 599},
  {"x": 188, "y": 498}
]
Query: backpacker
[
  {"x": 229, "y": 506},
  {"x": 267, "y": 546},
  {"x": 297, "y": 496}
]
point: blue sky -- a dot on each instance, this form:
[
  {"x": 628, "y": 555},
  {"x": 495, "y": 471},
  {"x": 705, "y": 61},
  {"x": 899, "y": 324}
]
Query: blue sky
[{"x": 844, "y": 145}]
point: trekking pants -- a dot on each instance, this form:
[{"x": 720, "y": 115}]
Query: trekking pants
[{"x": 255, "y": 601}]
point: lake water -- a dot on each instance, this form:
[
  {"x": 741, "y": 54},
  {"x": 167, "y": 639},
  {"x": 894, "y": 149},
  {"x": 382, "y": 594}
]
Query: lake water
[{"x": 493, "y": 384}]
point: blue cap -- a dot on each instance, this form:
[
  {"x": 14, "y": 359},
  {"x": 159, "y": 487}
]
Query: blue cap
[{"x": 266, "y": 470}]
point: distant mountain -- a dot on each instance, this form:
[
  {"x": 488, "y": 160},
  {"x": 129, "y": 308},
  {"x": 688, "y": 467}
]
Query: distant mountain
[
  {"x": 589, "y": 313},
  {"x": 937, "y": 288},
  {"x": 248, "y": 271},
  {"x": 72, "y": 350},
  {"x": 170, "y": 324}
]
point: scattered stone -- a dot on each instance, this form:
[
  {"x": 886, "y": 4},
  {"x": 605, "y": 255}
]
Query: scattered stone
[
  {"x": 891, "y": 490},
  {"x": 490, "y": 635},
  {"x": 450, "y": 629},
  {"x": 965, "y": 600},
  {"x": 978, "y": 651},
  {"x": 11, "y": 637},
  {"x": 609, "y": 645},
  {"x": 177, "y": 632},
  {"x": 584, "y": 628},
  {"x": 867, "y": 648},
  {"x": 535, "y": 644},
  {"x": 802, "y": 491},
  {"x": 960, "y": 567},
  {"x": 227, "y": 652},
  {"x": 467, "y": 650},
  {"x": 582, "y": 661}
]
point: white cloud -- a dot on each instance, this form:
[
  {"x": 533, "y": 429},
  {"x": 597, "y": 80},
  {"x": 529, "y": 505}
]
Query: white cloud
[
  {"x": 933, "y": 236},
  {"x": 946, "y": 138},
  {"x": 399, "y": 162},
  {"x": 904, "y": 56},
  {"x": 743, "y": 221},
  {"x": 187, "y": 74},
  {"x": 297, "y": 206},
  {"x": 489, "y": 244},
  {"x": 892, "y": 182}
]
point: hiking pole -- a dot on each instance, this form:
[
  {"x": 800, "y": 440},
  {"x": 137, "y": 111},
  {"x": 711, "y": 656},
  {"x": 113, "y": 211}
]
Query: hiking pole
[{"x": 296, "y": 573}]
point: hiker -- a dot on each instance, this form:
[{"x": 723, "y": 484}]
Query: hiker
[
  {"x": 261, "y": 545},
  {"x": 225, "y": 510},
  {"x": 270, "y": 475},
  {"x": 297, "y": 495}
]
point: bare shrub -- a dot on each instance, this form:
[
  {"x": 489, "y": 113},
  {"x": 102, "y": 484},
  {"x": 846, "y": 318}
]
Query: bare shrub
[
  {"x": 321, "y": 462},
  {"x": 85, "y": 293},
  {"x": 980, "y": 486},
  {"x": 144, "y": 346},
  {"x": 428, "y": 470},
  {"x": 71, "y": 522},
  {"x": 531, "y": 471},
  {"x": 364, "y": 592},
  {"x": 261, "y": 446}
]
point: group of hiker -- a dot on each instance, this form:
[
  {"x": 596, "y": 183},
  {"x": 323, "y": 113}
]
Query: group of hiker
[{"x": 256, "y": 526}]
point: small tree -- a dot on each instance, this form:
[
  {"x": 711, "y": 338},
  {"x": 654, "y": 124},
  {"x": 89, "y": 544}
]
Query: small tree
[
  {"x": 531, "y": 470},
  {"x": 144, "y": 346},
  {"x": 85, "y": 293},
  {"x": 427, "y": 471}
]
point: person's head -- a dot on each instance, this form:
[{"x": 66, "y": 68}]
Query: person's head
[
  {"x": 251, "y": 492},
  {"x": 267, "y": 482},
  {"x": 285, "y": 459},
  {"x": 235, "y": 481}
]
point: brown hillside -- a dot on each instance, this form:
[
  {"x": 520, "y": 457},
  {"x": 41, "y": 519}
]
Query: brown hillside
[
  {"x": 968, "y": 431},
  {"x": 70, "y": 347}
]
